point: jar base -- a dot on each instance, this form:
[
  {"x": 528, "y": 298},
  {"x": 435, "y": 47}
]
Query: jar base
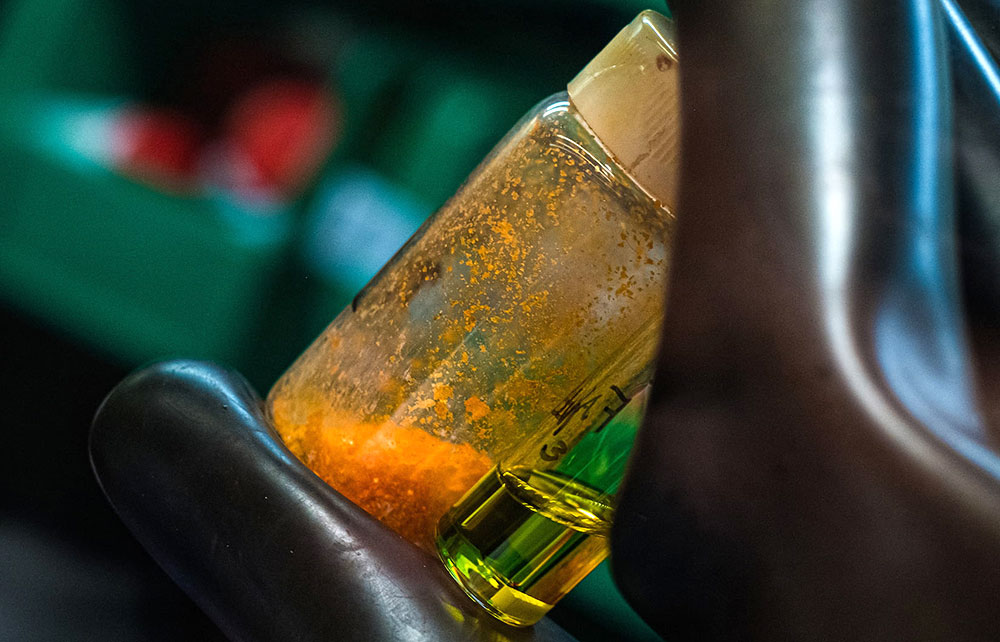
[{"x": 486, "y": 587}]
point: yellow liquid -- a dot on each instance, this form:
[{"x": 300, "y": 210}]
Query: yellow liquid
[{"x": 521, "y": 539}]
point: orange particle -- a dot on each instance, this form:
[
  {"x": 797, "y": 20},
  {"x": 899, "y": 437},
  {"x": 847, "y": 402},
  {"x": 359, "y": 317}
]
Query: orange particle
[
  {"x": 475, "y": 409},
  {"x": 442, "y": 392}
]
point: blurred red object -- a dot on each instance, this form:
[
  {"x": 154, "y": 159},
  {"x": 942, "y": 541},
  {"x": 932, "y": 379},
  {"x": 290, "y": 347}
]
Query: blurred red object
[
  {"x": 278, "y": 134},
  {"x": 156, "y": 145}
]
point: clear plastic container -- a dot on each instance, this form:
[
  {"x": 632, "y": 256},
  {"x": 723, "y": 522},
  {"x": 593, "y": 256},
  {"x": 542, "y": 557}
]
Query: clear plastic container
[{"x": 516, "y": 321}]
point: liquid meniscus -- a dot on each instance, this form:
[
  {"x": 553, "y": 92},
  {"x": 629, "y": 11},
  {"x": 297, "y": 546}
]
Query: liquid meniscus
[{"x": 521, "y": 539}]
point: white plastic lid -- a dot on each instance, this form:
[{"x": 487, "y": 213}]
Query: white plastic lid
[{"x": 628, "y": 95}]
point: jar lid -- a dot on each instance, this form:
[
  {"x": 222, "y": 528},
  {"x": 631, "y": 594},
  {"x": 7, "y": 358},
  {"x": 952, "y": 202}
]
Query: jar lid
[{"x": 628, "y": 96}]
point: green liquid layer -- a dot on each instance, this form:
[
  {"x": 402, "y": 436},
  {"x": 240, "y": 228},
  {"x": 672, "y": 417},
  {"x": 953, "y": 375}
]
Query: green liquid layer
[{"x": 521, "y": 539}]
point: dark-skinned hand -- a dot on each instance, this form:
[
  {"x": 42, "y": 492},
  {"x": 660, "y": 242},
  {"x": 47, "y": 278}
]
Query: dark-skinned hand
[{"x": 820, "y": 459}]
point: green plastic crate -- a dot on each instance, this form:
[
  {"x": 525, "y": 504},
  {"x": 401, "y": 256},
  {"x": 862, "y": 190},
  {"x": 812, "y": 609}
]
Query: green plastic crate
[{"x": 126, "y": 268}]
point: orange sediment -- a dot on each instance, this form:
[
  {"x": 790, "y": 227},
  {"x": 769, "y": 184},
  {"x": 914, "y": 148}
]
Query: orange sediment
[{"x": 403, "y": 476}]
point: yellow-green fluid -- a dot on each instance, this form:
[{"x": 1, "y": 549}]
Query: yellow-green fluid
[{"x": 521, "y": 539}]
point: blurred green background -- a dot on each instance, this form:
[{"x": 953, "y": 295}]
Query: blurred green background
[{"x": 216, "y": 181}]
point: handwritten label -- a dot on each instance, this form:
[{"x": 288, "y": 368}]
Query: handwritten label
[{"x": 575, "y": 410}]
